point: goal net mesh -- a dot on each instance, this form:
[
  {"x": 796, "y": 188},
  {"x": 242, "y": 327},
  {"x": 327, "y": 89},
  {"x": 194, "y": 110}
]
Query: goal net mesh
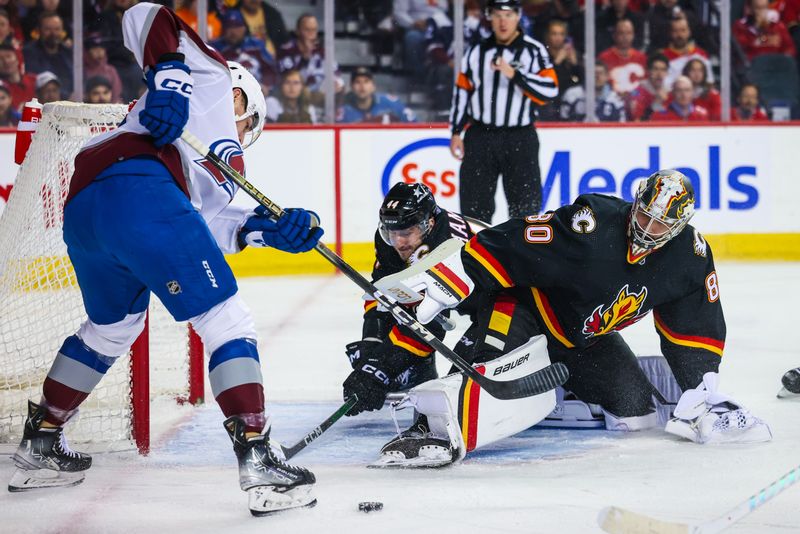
[{"x": 40, "y": 301}]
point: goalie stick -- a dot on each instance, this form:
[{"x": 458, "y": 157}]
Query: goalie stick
[
  {"x": 535, "y": 383},
  {"x": 289, "y": 452},
  {"x": 620, "y": 521}
]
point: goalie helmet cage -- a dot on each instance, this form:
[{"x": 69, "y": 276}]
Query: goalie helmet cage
[{"x": 40, "y": 303}]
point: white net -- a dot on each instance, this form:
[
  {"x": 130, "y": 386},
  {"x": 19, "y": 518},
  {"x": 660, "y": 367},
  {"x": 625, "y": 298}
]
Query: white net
[{"x": 40, "y": 302}]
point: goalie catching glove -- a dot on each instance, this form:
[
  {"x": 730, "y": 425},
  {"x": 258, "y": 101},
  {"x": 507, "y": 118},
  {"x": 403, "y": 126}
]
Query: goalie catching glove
[
  {"x": 293, "y": 232},
  {"x": 440, "y": 275},
  {"x": 166, "y": 110}
]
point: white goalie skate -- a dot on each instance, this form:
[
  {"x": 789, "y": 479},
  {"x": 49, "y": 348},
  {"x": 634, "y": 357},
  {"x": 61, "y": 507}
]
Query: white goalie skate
[
  {"x": 271, "y": 485},
  {"x": 704, "y": 415},
  {"x": 43, "y": 459}
]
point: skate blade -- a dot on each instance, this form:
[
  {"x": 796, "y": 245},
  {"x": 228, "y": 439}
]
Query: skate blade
[
  {"x": 26, "y": 480},
  {"x": 266, "y": 500},
  {"x": 390, "y": 461},
  {"x": 788, "y": 395},
  {"x": 682, "y": 429}
]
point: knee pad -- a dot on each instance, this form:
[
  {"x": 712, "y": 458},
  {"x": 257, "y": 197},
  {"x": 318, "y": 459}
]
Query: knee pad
[
  {"x": 225, "y": 322},
  {"x": 114, "y": 339}
]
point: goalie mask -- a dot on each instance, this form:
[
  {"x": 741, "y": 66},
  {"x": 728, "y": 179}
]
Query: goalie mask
[
  {"x": 663, "y": 205},
  {"x": 255, "y": 105},
  {"x": 406, "y": 209}
]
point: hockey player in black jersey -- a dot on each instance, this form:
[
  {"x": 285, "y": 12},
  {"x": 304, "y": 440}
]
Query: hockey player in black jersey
[
  {"x": 389, "y": 358},
  {"x": 592, "y": 268}
]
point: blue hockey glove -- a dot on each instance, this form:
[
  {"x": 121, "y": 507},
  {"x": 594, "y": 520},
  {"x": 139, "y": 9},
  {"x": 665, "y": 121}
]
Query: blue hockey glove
[
  {"x": 291, "y": 233},
  {"x": 166, "y": 109}
]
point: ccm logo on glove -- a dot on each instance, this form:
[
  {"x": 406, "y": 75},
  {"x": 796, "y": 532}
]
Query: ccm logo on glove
[
  {"x": 172, "y": 84},
  {"x": 377, "y": 373}
]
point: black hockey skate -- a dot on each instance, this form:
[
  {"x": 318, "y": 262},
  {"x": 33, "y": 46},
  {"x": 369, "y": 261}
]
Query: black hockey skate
[
  {"x": 43, "y": 459},
  {"x": 791, "y": 385},
  {"x": 416, "y": 447},
  {"x": 271, "y": 485}
]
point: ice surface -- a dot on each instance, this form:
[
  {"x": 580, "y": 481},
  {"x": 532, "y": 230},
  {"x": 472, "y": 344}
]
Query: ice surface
[{"x": 540, "y": 481}]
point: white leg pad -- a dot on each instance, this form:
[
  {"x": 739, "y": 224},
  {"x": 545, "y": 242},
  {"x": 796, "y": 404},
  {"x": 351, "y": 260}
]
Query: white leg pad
[
  {"x": 114, "y": 339},
  {"x": 228, "y": 320},
  {"x": 471, "y": 418}
]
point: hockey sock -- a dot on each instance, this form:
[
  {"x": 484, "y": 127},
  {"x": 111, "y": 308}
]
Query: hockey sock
[
  {"x": 235, "y": 375},
  {"x": 76, "y": 371}
]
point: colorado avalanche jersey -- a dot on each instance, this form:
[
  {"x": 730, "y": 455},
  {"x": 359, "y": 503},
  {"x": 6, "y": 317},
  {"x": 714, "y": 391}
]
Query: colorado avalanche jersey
[
  {"x": 574, "y": 261},
  {"x": 151, "y": 31}
]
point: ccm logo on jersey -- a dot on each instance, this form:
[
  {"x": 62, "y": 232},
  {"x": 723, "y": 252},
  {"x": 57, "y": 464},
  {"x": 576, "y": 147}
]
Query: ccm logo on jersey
[
  {"x": 210, "y": 274},
  {"x": 511, "y": 365}
]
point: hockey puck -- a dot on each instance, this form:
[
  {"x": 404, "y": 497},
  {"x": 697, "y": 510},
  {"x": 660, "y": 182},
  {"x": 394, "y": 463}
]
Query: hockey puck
[{"x": 370, "y": 506}]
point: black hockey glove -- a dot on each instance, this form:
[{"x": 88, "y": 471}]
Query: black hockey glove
[
  {"x": 370, "y": 382},
  {"x": 360, "y": 349}
]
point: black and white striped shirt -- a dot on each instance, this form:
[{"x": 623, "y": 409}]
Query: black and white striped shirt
[{"x": 485, "y": 95}]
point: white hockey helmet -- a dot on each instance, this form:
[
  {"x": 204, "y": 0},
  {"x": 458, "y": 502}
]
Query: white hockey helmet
[{"x": 255, "y": 105}]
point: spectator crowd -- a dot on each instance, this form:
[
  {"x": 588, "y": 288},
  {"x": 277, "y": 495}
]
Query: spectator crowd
[{"x": 655, "y": 59}]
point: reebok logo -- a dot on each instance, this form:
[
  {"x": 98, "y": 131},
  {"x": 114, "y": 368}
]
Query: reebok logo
[{"x": 210, "y": 274}]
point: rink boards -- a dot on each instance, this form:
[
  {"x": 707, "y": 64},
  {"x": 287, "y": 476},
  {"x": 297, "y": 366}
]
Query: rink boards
[{"x": 745, "y": 178}]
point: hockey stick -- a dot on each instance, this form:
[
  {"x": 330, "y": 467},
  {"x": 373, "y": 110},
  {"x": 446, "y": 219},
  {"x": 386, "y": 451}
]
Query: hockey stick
[
  {"x": 289, "y": 452},
  {"x": 620, "y": 521},
  {"x": 535, "y": 383}
]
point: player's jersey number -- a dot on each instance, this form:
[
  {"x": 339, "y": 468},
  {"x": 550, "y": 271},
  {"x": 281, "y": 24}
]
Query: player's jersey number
[
  {"x": 538, "y": 232},
  {"x": 712, "y": 288}
]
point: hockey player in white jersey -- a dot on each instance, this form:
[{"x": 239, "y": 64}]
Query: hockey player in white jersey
[{"x": 145, "y": 213}]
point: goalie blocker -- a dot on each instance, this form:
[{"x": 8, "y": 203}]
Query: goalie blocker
[{"x": 456, "y": 417}]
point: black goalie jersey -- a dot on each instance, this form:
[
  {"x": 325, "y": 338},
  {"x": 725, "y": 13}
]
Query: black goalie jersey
[
  {"x": 380, "y": 325},
  {"x": 574, "y": 260}
]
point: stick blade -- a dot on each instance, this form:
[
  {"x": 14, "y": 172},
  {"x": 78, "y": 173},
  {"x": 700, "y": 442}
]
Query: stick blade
[{"x": 616, "y": 520}]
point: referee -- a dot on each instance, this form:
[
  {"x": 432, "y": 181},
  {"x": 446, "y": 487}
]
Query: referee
[{"x": 502, "y": 80}]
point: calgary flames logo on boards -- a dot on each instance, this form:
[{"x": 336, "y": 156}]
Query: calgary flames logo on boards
[{"x": 624, "y": 311}]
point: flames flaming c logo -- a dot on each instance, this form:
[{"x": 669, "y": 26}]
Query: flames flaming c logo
[{"x": 624, "y": 311}]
